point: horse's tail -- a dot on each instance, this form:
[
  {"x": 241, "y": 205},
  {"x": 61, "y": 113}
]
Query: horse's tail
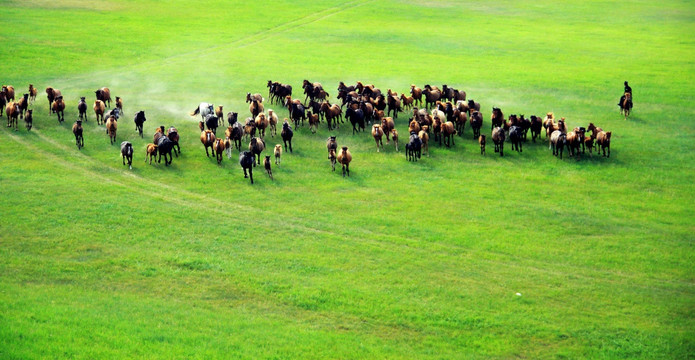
[{"x": 196, "y": 112}]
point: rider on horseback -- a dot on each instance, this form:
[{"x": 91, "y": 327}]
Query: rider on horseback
[{"x": 628, "y": 89}]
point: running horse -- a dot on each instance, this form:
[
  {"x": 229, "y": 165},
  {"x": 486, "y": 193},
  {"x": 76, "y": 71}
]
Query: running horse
[{"x": 626, "y": 104}]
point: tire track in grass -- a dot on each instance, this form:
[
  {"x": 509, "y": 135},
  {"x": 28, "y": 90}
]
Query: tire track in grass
[
  {"x": 391, "y": 242},
  {"x": 238, "y": 43}
]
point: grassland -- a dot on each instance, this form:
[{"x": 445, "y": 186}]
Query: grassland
[{"x": 401, "y": 260}]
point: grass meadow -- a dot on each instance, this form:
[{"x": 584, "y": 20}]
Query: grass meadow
[{"x": 400, "y": 260}]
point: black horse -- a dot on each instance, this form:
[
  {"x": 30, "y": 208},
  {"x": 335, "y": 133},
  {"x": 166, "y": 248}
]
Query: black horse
[
  {"x": 515, "y": 136},
  {"x": 237, "y": 134},
  {"x": 297, "y": 112},
  {"x": 232, "y": 118},
  {"x": 139, "y": 121},
  {"x": 127, "y": 153},
  {"x": 211, "y": 123},
  {"x": 413, "y": 149},
  {"x": 82, "y": 108},
  {"x": 164, "y": 146},
  {"x": 287, "y": 134},
  {"x": 247, "y": 160},
  {"x": 356, "y": 118}
]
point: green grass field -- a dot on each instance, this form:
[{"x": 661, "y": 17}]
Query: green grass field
[{"x": 400, "y": 260}]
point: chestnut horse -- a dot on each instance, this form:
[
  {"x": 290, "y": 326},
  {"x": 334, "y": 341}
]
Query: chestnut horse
[
  {"x": 58, "y": 108},
  {"x": 626, "y": 104},
  {"x": 51, "y": 95},
  {"x": 12, "y": 112},
  {"x": 77, "y": 131},
  {"x": 104, "y": 94},
  {"x": 208, "y": 140}
]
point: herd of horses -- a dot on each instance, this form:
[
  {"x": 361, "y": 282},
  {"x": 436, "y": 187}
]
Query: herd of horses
[{"x": 446, "y": 113}]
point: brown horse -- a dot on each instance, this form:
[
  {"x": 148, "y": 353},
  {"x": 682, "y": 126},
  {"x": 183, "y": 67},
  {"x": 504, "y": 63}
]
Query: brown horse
[
  {"x": 377, "y": 133},
  {"x": 331, "y": 144},
  {"x": 407, "y": 101},
  {"x": 448, "y": 132},
  {"x": 547, "y": 122},
  {"x": 266, "y": 164},
  {"x": 432, "y": 95},
  {"x": 77, "y": 131},
  {"x": 498, "y": 137},
  {"x": 497, "y": 118},
  {"x": 414, "y": 126},
  {"x": 332, "y": 158},
  {"x": 481, "y": 141},
  {"x": 344, "y": 158},
  {"x": 394, "y": 105},
  {"x": 158, "y": 133},
  {"x": 387, "y": 125},
  {"x": 250, "y": 127},
  {"x": 460, "y": 119},
  {"x": 99, "y": 108},
  {"x": 51, "y": 95},
  {"x": 256, "y": 146},
  {"x": 235, "y": 133},
  {"x": 314, "y": 122},
  {"x": 416, "y": 92},
  {"x": 250, "y": 98},
  {"x": 331, "y": 112},
  {"x": 261, "y": 124},
  {"x": 552, "y": 126},
  {"x": 575, "y": 140},
  {"x": 32, "y": 93},
  {"x": 626, "y": 104},
  {"x": 476, "y": 121},
  {"x": 219, "y": 112},
  {"x": 273, "y": 122},
  {"x": 208, "y": 140},
  {"x": 151, "y": 152},
  {"x": 29, "y": 119},
  {"x": 278, "y": 154},
  {"x": 424, "y": 138},
  {"x": 218, "y": 149},
  {"x": 12, "y": 111},
  {"x": 23, "y": 105},
  {"x": 58, "y": 108},
  {"x": 9, "y": 92},
  {"x": 437, "y": 130},
  {"x": 3, "y": 102},
  {"x": 603, "y": 142},
  {"x": 111, "y": 127},
  {"x": 473, "y": 106},
  {"x": 589, "y": 144},
  {"x": 104, "y": 94},
  {"x": 255, "y": 108},
  {"x": 173, "y": 135}
]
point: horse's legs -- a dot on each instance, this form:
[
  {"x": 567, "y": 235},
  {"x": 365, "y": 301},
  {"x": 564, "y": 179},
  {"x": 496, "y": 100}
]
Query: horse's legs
[
  {"x": 291, "y": 145},
  {"x": 251, "y": 174}
]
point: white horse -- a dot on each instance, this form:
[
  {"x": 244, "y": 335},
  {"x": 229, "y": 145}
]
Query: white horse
[{"x": 204, "y": 109}]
